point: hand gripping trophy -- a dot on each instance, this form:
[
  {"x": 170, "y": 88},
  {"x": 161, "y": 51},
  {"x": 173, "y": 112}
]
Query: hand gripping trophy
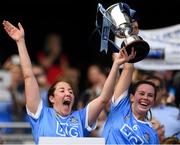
[{"x": 120, "y": 19}]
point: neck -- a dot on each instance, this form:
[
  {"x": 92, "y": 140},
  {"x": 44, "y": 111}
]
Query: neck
[{"x": 137, "y": 115}]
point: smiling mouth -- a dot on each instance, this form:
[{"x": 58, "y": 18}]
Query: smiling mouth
[{"x": 144, "y": 104}]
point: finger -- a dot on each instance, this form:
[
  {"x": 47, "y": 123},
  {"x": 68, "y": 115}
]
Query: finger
[
  {"x": 8, "y": 26},
  {"x": 114, "y": 55},
  {"x": 132, "y": 50},
  {"x": 7, "y": 29},
  {"x": 5, "y": 25},
  {"x": 121, "y": 50},
  {"x": 20, "y": 26},
  {"x": 130, "y": 56},
  {"x": 4, "y": 22},
  {"x": 10, "y": 29},
  {"x": 125, "y": 52},
  {"x": 121, "y": 53},
  {"x": 133, "y": 53}
]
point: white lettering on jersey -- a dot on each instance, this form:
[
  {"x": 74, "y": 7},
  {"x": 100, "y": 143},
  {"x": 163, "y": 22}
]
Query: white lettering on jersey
[
  {"x": 131, "y": 135},
  {"x": 64, "y": 129}
]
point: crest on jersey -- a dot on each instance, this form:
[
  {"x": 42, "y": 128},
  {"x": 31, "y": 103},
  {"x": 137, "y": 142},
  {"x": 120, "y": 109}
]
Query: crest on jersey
[{"x": 74, "y": 120}]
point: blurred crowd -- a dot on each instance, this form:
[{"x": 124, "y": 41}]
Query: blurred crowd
[{"x": 53, "y": 64}]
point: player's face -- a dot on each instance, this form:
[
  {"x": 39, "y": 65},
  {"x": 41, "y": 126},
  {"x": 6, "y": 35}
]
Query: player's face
[
  {"x": 63, "y": 98},
  {"x": 142, "y": 100}
]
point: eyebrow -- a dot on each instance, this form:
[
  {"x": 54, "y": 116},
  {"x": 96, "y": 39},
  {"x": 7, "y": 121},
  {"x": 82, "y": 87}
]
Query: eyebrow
[
  {"x": 145, "y": 92},
  {"x": 62, "y": 88}
]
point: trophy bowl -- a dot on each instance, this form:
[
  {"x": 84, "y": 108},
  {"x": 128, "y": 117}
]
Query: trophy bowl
[{"x": 140, "y": 46}]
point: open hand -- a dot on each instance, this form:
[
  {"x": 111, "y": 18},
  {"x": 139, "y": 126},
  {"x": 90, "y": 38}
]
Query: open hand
[{"x": 14, "y": 32}]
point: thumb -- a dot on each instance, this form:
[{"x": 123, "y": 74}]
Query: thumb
[{"x": 20, "y": 26}]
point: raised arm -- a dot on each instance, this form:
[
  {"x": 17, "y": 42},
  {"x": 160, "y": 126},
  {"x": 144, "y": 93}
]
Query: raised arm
[
  {"x": 124, "y": 80},
  {"x": 31, "y": 86},
  {"x": 96, "y": 106}
]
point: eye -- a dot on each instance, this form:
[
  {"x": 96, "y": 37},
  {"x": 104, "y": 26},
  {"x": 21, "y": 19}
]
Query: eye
[
  {"x": 61, "y": 91},
  {"x": 141, "y": 93},
  {"x": 150, "y": 95},
  {"x": 70, "y": 91}
]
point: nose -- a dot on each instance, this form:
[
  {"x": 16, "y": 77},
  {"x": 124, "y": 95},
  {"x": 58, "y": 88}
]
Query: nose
[
  {"x": 145, "y": 96},
  {"x": 67, "y": 93}
]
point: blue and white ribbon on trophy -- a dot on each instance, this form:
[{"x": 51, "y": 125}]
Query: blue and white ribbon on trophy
[{"x": 107, "y": 23}]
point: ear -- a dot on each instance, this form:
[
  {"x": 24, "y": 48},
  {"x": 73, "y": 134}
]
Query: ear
[
  {"x": 131, "y": 98},
  {"x": 51, "y": 99}
]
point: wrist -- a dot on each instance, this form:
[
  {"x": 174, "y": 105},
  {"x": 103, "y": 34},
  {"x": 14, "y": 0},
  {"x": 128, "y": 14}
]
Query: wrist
[
  {"x": 128, "y": 66},
  {"x": 21, "y": 40}
]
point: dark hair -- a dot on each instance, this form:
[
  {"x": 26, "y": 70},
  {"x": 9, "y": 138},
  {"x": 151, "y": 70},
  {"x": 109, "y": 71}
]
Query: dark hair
[
  {"x": 53, "y": 87},
  {"x": 51, "y": 93},
  {"x": 134, "y": 87}
]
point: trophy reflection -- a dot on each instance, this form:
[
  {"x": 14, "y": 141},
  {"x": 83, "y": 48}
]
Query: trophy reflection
[{"x": 120, "y": 19}]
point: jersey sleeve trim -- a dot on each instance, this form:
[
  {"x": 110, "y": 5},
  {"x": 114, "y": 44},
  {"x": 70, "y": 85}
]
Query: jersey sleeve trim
[
  {"x": 87, "y": 126},
  {"x": 38, "y": 112},
  {"x": 116, "y": 102}
]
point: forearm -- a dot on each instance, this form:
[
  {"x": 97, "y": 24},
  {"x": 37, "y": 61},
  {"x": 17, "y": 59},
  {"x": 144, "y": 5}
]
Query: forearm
[
  {"x": 109, "y": 85},
  {"x": 124, "y": 80},
  {"x": 96, "y": 106},
  {"x": 24, "y": 59}
]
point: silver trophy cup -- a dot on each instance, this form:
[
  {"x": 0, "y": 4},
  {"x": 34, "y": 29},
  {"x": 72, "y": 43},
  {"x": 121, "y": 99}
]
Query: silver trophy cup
[{"x": 121, "y": 20}]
